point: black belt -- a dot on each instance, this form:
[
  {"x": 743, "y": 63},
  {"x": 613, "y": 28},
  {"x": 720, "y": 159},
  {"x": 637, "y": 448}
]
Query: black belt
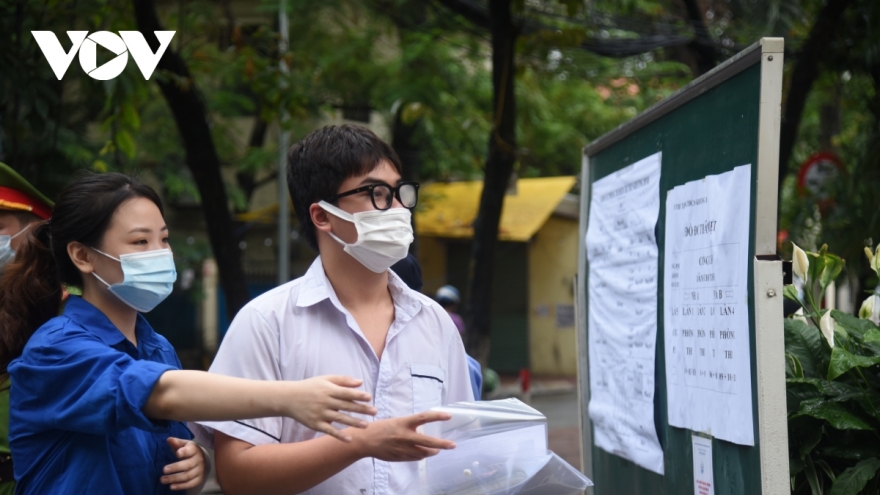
[{"x": 6, "y": 471}]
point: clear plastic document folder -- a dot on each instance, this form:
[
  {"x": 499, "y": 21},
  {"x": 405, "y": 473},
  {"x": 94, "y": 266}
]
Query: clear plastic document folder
[{"x": 501, "y": 450}]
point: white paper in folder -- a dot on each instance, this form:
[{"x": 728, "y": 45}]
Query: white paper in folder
[{"x": 501, "y": 449}]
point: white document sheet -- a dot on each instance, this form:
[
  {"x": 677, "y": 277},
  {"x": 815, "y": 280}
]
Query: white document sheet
[
  {"x": 705, "y": 305},
  {"x": 623, "y": 278},
  {"x": 704, "y": 480}
]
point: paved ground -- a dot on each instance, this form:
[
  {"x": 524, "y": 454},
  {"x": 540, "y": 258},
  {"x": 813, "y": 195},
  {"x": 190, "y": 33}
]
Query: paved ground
[{"x": 561, "y": 410}]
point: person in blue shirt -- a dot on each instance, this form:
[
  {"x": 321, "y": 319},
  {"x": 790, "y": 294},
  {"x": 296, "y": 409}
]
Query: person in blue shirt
[{"x": 98, "y": 399}]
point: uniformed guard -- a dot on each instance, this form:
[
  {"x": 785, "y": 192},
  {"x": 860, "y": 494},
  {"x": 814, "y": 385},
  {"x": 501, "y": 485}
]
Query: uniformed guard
[{"x": 21, "y": 205}]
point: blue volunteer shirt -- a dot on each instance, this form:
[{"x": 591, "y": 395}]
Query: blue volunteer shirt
[{"x": 76, "y": 423}]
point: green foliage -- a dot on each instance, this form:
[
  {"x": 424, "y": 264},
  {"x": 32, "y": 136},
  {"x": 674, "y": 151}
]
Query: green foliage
[
  {"x": 842, "y": 115},
  {"x": 854, "y": 479},
  {"x": 832, "y": 391}
]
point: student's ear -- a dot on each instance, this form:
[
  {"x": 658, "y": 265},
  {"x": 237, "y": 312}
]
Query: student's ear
[
  {"x": 320, "y": 218},
  {"x": 80, "y": 255}
]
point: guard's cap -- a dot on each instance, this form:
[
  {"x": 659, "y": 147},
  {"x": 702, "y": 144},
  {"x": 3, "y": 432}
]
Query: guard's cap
[{"x": 17, "y": 194}]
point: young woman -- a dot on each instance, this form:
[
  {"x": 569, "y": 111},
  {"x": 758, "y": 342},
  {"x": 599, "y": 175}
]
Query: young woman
[{"x": 98, "y": 399}]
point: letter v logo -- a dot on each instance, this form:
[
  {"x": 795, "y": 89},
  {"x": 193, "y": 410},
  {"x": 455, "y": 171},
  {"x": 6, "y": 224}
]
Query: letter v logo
[
  {"x": 140, "y": 51},
  {"x": 51, "y": 47}
]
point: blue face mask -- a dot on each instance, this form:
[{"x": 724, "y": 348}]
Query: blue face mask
[
  {"x": 148, "y": 278},
  {"x": 7, "y": 254}
]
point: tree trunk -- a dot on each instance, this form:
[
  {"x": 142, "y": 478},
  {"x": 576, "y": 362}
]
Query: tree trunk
[
  {"x": 702, "y": 48},
  {"x": 806, "y": 70},
  {"x": 247, "y": 179},
  {"x": 191, "y": 118},
  {"x": 402, "y": 142},
  {"x": 499, "y": 167}
]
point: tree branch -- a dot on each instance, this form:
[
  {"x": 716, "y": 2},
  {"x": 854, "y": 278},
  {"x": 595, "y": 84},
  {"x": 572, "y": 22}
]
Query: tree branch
[
  {"x": 191, "y": 117},
  {"x": 479, "y": 17},
  {"x": 702, "y": 47},
  {"x": 806, "y": 70}
]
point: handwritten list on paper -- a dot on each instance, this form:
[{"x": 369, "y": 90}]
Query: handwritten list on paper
[
  {"x": 705, "y": 305},
  {"x": 623, "y": 279}
]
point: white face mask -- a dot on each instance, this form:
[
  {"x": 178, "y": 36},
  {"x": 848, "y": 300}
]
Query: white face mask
[
  {"x": 383, "y": 236},
  {"x": 7, "y": 254}
]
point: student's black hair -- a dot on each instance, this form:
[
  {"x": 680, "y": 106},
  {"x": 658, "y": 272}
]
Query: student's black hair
[
  {"x": 319, "y": 163},
  {"x": 30, "y": 289}
]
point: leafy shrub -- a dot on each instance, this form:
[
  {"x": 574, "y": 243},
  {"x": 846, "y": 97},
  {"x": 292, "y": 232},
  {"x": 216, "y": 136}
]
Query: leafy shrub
[{"x": 832, "y": 385}]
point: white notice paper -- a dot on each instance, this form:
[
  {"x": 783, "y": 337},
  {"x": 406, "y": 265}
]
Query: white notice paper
[
  {"x": 705, "y": 306},
  {"x": 623, "y": 260},
  {"x": 704, "y": 481}
]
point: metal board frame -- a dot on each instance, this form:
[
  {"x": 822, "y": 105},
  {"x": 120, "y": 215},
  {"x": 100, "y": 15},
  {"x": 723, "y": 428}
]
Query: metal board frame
[{"x": 769, "y": 341}]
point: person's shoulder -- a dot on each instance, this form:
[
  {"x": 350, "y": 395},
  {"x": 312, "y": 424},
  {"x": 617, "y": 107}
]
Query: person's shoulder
[
  {"x": 161, "y": 342},
  {"x": 275, "y": 298},
  {"x": 431, "y": 310},
  {"x": 428, "y": 304},
  {"x": 57, "y": 337},
  {"x": 57, "y": 329},
  {"x": 270, "y": 309}
]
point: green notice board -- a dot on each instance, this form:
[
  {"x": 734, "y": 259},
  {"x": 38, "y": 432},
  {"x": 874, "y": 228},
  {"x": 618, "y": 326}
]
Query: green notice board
[{"x": 727, "y": 118}]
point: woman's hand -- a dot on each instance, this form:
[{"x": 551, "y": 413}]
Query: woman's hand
[
  {"x": 191, "y": 471},
  {"x": 318, "y": 401}
]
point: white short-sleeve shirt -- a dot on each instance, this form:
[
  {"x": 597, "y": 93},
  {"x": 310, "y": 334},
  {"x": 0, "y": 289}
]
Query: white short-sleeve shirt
[{"x": 300, "y": 330}]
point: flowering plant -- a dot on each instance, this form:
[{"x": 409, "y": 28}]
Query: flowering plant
[{"x": 832, "y": 366}]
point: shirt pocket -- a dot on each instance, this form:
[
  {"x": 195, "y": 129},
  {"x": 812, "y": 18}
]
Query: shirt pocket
[{"x": 427, "y": 384}]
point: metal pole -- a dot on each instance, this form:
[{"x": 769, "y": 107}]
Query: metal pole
[{"x": 283, "y": 144}]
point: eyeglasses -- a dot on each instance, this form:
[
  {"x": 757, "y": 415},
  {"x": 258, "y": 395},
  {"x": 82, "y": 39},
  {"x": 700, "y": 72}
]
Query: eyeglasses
[{"x": 383, "y": 195}]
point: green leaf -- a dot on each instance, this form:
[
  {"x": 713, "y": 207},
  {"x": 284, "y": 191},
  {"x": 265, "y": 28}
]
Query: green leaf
[
  {"x": 849, "y": 452},
  {"x": 817, "y": 264},
  {"x": 795, "y": 466},
  {"x": 834, "y": 413},
  {"x": 872, "y": 335},
  {"x": 811, "y": 438},
  {"x": 796, "y": 393},
  {"x": 825, "y": 467},
  {"x": 125, "y": 143},
  {"x": 130, "y": 117},
  {"x": 812, "y": 477},
  {"x": 805, "y": 343},
  {"x": 843, "y": 361},
  {"x": 833, "y": 266},
  {"x": 852, "y": 324},
  {"x": 790, "y": 292},
  {"x": 854, "y": 479},
  {"x": 793, "y": 366}
]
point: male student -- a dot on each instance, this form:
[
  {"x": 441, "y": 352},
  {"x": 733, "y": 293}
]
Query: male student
[{"x": 347, "y": 315}]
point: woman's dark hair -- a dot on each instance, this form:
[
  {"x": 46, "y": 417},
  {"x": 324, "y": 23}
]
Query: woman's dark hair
[
  {"x": 319, "y": 163},
  {"x": 31, "y": 285}
]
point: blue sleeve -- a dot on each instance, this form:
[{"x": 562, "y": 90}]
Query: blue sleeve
[
  {"x": 70, "y": 380},
  {"x": 476, "y": 372}
]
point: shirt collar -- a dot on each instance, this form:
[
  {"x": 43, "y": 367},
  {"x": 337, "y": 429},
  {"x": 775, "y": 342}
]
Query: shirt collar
[
  {"x": 315, "y": 287},
  {"x": 92, "y": 319}
]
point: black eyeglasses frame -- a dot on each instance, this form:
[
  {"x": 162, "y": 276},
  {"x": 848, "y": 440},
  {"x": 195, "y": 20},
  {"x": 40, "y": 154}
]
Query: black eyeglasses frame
[{"x": 395, "y": 193}]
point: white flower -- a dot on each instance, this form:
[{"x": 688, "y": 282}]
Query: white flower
[
  {"x": 867, "y": 309},
  {"x": 875, "y": 261},
  {"x": 826, "y": 324},
  {"x": 870, "y": 255},
  {"x": 800, "y": 262}
]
